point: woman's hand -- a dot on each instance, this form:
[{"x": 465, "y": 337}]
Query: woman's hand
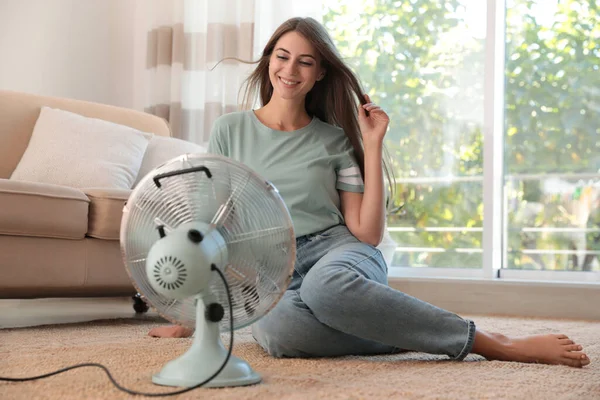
[{"x": 374, "y": 126}]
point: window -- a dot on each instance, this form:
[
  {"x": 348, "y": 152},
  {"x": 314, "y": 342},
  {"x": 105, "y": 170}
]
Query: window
[
  {"x": 552, "y": 135},
  {"x": 430, "y": 64}
]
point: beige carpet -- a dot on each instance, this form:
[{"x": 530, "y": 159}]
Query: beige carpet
[{"x": 132, "y": 357}]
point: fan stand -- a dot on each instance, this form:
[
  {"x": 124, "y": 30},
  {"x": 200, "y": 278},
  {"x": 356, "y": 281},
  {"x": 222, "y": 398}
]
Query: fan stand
[{"x": 204, "y": 358}]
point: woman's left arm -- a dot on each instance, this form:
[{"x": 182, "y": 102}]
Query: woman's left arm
[{"x": 364, "y": 213}]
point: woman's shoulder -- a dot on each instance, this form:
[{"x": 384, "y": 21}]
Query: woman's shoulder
[
  {"x": 232, "y": 118},
  {"x": 329, "y": 132}
]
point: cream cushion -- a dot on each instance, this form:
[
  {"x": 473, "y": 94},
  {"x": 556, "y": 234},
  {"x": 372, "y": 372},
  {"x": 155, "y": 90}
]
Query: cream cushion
[
  {"x": 106, "y": 212},
  {"x": 69, "y": 149},
  {"x": 162, "y": 149},
  {"x": 42, "y": 210}
]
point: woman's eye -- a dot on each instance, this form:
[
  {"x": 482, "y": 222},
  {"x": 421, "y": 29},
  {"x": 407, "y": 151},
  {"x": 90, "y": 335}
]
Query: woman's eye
[{"x": 308, "y": 64}]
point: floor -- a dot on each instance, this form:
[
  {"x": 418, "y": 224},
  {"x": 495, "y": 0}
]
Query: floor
[
  {"x": 123, "y": 346},
  {"x": 17, "y": 313}
]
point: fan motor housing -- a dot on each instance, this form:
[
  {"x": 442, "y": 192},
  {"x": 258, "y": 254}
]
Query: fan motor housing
[{"x": 179, "y": 264}]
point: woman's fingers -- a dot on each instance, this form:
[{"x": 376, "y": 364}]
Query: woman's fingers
[
  {"x": 371, "y": 107},
  {"x": 367, "y": 105}
]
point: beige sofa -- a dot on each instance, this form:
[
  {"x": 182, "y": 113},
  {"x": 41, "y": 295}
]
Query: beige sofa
[{"x": 57, "y": 241}]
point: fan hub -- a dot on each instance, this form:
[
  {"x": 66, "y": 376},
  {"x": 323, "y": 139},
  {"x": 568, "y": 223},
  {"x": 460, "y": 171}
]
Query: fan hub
[
  {"x": 170, "y": 270},
  {"x": 179, "y": 266}
]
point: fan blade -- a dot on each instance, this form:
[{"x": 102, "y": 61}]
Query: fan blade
[{"x": 226, "y": 208}]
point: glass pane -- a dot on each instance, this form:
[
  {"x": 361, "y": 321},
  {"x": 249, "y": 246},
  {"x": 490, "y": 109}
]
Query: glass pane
[
  {"x": 552, "y": 146},
  {"x": 423, "y": 62}
]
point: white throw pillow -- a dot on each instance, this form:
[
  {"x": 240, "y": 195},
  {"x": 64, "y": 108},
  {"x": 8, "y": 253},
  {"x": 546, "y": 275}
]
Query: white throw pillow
[
  {"x": 162, "y": 149},
  {"x": 69, "y": 149}
]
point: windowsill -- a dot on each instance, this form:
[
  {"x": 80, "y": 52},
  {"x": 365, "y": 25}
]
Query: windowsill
[
  {"x": 577, "y": 277},
  {"x": 522, "y": 298}
]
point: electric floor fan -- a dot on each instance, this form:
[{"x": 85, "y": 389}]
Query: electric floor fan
[{"x": 211, "y": 246}]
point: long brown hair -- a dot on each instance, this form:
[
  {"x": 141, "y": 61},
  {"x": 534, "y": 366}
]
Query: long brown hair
[{"x": 332, "y": 99}]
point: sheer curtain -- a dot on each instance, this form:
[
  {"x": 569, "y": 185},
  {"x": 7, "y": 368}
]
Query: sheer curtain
[
  {"x": 269, "y": 14},
  {"x": 182, "y": 40}
]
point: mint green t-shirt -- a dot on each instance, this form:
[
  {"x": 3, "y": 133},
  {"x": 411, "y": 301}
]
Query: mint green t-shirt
[{"x": 307, "y": 166}]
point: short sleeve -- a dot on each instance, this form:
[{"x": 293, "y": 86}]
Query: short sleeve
[
  {"x": 349, "y": 177},
  {"x": 216, "y": 142}
]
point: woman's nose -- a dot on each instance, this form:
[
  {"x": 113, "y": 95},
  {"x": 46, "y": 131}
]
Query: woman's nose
[{"x": 292, "y": 68}]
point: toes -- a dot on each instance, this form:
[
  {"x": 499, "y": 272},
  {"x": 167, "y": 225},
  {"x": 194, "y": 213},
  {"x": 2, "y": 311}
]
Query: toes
[
  {"x": 561, "y": 336},
  {"x": 154, "y": 332},
  {"x": 166, "y": 332},
  {"x": 585, "y": 361},
  {"x": 566, "y": 341},
  {"x": 574, "y": 355},
  {"x": 572, "y": 347},
  {"x": 571, "y": 363}
]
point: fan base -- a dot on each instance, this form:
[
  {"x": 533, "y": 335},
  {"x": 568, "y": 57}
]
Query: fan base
[
  {"x": 237, "y": 372},
  {"x": 204, "y": 357}
]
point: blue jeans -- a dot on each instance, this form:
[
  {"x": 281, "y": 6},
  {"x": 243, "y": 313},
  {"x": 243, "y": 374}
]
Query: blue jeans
[{"x": 339, "y": 303}]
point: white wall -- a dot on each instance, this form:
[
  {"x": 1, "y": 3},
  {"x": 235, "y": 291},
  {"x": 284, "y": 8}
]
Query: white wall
[{"x": 82, "y": 49}]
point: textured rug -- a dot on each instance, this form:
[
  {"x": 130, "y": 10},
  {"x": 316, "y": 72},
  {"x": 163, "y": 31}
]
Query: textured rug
[{"x": 132, "y": 357}]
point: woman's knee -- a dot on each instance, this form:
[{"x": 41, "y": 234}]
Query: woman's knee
[
  {"x": 345, "y": 264},
  {"x": 280, "y": 333},
  {"x": 338, "y": 275}
]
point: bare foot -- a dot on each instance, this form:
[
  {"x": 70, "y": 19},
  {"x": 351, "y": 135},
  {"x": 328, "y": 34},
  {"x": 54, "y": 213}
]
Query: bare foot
[
  {"x": 544, "y": 349},
  {"x": 173, "y": 331}
]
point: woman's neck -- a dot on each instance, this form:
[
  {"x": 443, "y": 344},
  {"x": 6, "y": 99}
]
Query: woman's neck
[{"x": 283, "y": 115}]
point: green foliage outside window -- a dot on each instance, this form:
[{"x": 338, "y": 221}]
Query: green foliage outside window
[{"x": 421, "y": 63}]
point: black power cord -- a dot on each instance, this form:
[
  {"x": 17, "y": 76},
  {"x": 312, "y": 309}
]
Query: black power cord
[{"x": 214, "y": 268}]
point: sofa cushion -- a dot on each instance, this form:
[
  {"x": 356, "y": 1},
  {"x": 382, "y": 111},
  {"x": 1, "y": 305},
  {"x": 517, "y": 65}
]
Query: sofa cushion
[
  {"x": 69, "y": 149},
  {"x": 43, "y": 210},
  {"x": 162, "y": 149},
  {"x": 106, "y": 210}
]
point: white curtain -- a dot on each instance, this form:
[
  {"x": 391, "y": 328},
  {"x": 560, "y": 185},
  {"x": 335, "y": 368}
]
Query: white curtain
[
  {"x": 269, "y": 14},
  {"x": 181, "y": 41}
]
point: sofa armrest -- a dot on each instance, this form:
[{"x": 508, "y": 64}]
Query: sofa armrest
[{"x": 106, "y": 211}]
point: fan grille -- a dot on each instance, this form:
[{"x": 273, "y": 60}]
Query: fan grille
[{"x": 245, "y": 209}]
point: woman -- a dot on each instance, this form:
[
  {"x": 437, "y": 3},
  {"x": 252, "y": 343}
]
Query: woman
[{"x": 310, "y": 140}]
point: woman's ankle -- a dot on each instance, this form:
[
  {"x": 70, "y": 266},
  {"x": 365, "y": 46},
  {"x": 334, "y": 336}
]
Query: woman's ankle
[{"x": 493, "y": 346}]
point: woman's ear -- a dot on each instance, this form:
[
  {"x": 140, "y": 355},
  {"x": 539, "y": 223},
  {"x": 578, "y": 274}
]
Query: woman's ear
[{"x": 321, "y": 75}]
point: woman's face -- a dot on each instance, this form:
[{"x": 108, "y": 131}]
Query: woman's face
[{"x": 294, "y": 67}]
